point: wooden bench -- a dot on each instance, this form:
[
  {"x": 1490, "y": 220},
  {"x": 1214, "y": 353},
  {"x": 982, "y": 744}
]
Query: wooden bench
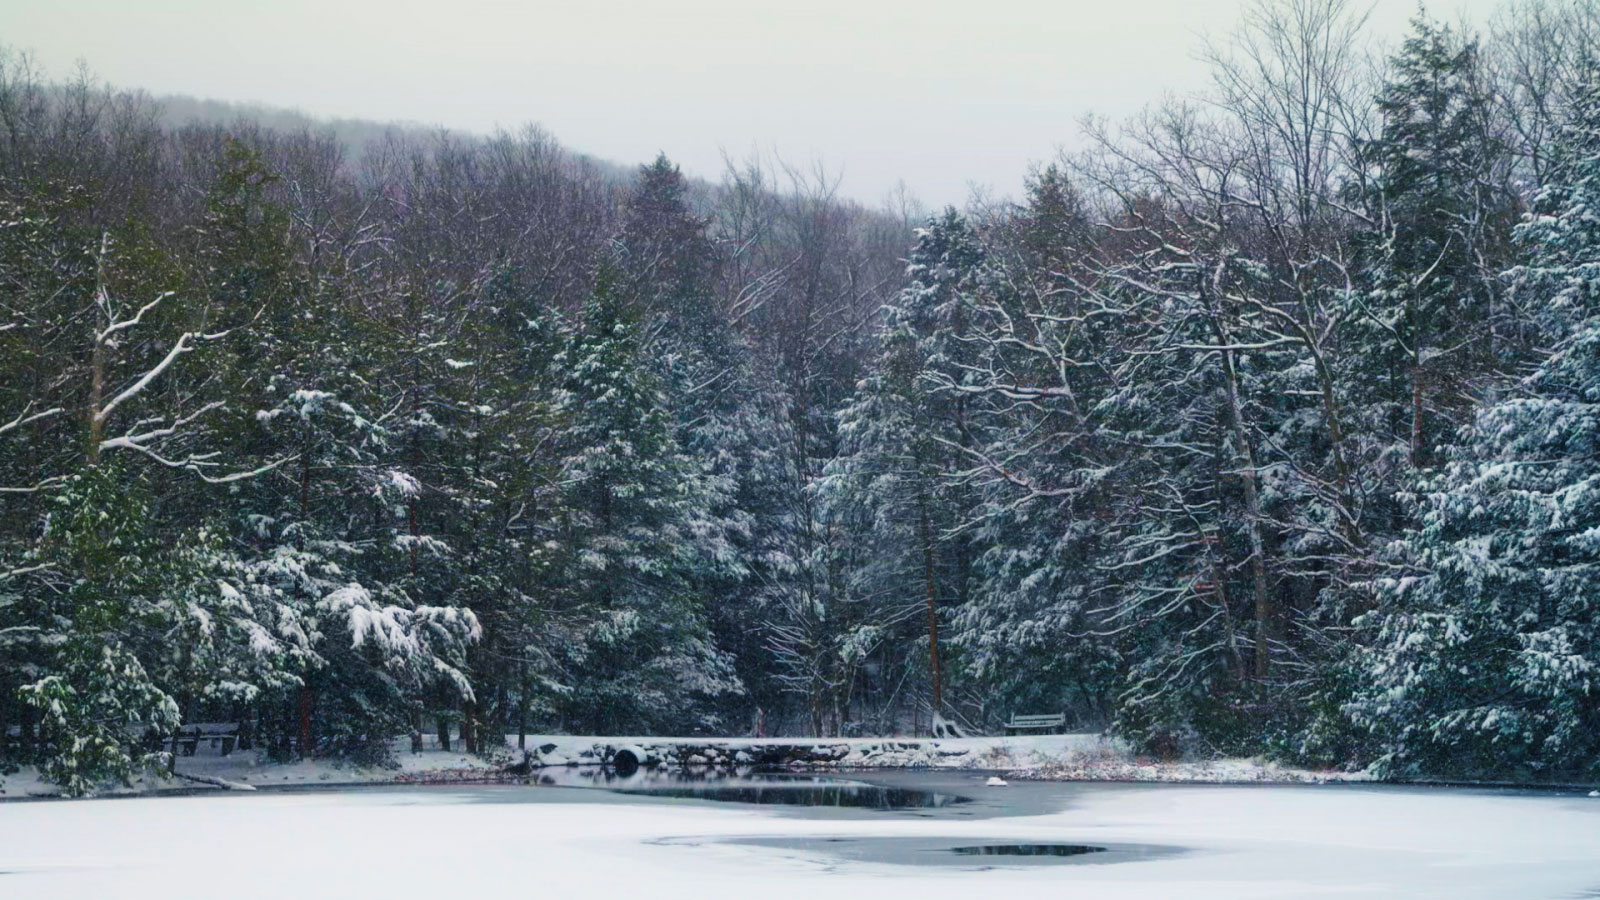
[
  {"x": 1036, "y": 723},
  {"x": 222, "y": 736}
]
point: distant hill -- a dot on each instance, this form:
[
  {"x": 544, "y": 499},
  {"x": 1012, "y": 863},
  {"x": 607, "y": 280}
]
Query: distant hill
[{"x": 356, "y": 135}]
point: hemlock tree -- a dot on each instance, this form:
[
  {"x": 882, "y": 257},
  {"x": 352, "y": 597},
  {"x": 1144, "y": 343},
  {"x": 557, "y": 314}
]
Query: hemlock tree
[
  {"x": 1486, "y": 655},
  {"x": 644, "y": 658},
  {"x": 898, "y": 456},
  {"x": 497, "y": 478},
  {"x": 668, "y": 265},
  {"x": 1043, "y": 478},
  {"x": 98, "y": 698},
  {"x": 1429, "y": 319},
  {"x": 375, "y": 649}
]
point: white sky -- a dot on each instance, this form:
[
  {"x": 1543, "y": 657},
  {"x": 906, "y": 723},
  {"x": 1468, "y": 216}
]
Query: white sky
[{"x": 940, "y": 94}]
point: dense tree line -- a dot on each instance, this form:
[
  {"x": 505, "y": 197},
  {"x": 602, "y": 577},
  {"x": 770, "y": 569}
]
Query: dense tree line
[
  {"x": 466, "y": 435},
  {"x": 1263, "y": 424}
]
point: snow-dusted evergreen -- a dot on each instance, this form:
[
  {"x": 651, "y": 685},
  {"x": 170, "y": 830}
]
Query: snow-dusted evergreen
[
  {"x": 892, "y": 482},
  {"x": 1485, "y": 652},
  {"x": 631, "y": 504}
]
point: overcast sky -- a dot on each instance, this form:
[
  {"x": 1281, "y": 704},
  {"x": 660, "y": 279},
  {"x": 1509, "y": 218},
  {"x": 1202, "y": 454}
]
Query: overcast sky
[{"x": 942, "y": 95}]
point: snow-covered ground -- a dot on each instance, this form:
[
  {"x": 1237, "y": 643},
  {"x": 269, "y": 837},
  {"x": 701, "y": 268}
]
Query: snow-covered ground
[
  {"x": 1121, "y": 767},
  {"x": 1237, "y": 843},
  {"x": 251, "y": 769}
]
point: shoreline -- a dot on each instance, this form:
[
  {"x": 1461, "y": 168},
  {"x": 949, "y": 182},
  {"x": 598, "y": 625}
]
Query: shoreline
[{"x": 1084, "y": 758}]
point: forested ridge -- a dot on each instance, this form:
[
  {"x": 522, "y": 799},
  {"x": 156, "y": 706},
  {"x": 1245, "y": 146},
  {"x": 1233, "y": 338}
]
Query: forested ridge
[{"x": 1264, "y": 423}]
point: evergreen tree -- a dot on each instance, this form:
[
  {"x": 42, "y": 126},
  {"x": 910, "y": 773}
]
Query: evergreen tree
[
  {"x": 498, "y": 478},
  {"x": 376, "y": 649},
  {"x": 645, "y": 657},
  {"x": 703, "y": 365},
  {"x": 899, "y": 455},
  {"x": 1043, "y": 509},
  {"x": 99, "y": 698},
  {"x": 1428, "y": 321},
  {"x": 1485, "y": 656}
]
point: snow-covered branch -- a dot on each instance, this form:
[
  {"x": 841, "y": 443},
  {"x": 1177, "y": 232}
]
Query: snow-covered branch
[
  {"x": 179, "y": 347},
  {"x": 24, "y": 417}
]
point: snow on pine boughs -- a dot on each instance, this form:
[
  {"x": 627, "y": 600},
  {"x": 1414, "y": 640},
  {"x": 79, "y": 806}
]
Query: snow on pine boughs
[{"x": 1488, "y": 657}]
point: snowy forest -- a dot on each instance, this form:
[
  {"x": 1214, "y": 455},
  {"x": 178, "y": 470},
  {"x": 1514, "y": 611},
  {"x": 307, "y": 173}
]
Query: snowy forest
[{"x": 1264, "y": 423}]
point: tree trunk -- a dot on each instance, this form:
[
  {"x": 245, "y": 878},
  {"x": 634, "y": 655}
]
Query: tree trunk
[
  {"x": 1245, "y": 454},
  {"x": 469, "y": 726},
  {"x": 933, "y": 610},
  {"x": 1266, "y": 614},
  {"x": 247, "y": 728},
  {"x": 1416, "y": 415},
  {"x": 97, "y": 364},
  {"x": 25, "y": 733},
  {"x": 306, "y": 748},
  {"x": 1236, "y": 660},
  {"x": 1341, "y": 465},
  {"x": 522, "y": 706},
  {"x": 411, "y": 521},
  {"x": 816, "y": 709},
  {"x": 96, "y": 394}
]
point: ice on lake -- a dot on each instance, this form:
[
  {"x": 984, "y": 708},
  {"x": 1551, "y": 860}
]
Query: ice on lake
[{"x": 1161, "y": 841}]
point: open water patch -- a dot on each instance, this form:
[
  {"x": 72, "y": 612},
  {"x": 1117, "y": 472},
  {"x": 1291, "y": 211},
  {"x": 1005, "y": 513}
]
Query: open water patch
[{"x": 962, "y": 852}]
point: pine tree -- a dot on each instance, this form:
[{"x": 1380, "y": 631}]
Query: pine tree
[
  {"x": 1486, "y": 655},
  {"x": 1043, "y": 508},
  {"x": 1428, "y": 321},
  {"x": 99, "y": 699},
  {"x": 898, "y": 454},
  {"x": 645, "y": 657}
]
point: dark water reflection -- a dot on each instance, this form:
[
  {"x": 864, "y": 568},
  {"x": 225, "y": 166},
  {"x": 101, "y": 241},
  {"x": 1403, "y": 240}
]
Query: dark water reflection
[
  {"x": 764, "y": 788},
  {"x": 860, "y": 796}
]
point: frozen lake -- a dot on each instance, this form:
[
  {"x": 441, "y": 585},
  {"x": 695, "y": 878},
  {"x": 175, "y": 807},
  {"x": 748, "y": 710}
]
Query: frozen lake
[{"x": 939, "y": 834}]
